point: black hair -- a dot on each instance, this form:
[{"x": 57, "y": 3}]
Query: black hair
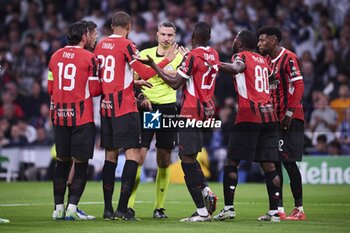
[
  {"x": 76, "y": 31},
  {"x": 248, "y": 39},
  {"x": 322, "y": 138},
  {"x": 201, "y": 32},
  {"x": 90, "y": 24},
  {"x": 121, "y": 19},
  {"x": 271, "y": 30},
  {"x": 167, "y": 25}
]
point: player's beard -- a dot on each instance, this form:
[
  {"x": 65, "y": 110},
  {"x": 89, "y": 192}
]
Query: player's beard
[
  {"x": 262, "y": 52},
  {"x": 89, "y": 47}
]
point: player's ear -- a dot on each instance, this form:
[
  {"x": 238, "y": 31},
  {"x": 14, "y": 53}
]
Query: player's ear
[
  {"x": 239, "y": 43},
  {"x": 84, "y": 38},
  {"x": 275, "y": 41},
  {"x": 157, "y": 34},
  {"x": 128, "y": 27}
]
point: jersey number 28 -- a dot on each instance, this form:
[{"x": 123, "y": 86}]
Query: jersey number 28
[{"x": 107, "y": 65}]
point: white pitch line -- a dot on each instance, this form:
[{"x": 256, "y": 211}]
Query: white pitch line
[{"x": 168, "y": 202}]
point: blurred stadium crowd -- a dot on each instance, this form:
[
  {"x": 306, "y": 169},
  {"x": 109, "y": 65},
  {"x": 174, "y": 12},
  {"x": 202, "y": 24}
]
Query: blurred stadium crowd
[{"x": 318, "y": 31}]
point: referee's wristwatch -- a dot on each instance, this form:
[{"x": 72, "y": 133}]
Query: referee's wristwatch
[{"x": 141, "y": 97}]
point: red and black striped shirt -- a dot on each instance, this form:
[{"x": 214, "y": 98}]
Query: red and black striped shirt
[
  {"x": 72, "y": 82},
  {"x": 200, "y": 67},
  {"x": 252, "y": 86},
  {"x": 290, "y": 84},
  {"x": 117, "y": 58}
]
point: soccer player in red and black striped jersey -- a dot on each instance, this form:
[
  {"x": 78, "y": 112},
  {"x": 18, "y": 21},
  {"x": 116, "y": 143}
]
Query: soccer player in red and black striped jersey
[
  {"x": 90, "y": 45},
  {"x": 120, "y": 123},
  {"x": 197, "y": 75},
  {"x": 287, "y": 97},
  {"x": 254, "y": 136},
  {"x": 72, "y": 82}
]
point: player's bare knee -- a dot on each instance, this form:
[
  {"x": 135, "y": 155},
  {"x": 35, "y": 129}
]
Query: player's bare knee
[
  {"x": 80, "y": 160},
  {"x": 268, "y": 166},
  {"x": 64, "y": 158},
  {"x": 163, "y": 158},
  {"x": 112, "y": 155},
  {"x": 233, "y": 175},
  {"x": 163, "y": 163},
  {"x": 230, "y": 162},
  {"x": 276, "y": 181},
  {"x": 188, "y": 158},
  {"x": 133, "y": 154}
]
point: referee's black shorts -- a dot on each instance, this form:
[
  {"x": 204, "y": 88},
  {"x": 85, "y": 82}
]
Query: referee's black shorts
[
  {"x": 254, "y": 142},
  {"x": 291, "y": 142}
]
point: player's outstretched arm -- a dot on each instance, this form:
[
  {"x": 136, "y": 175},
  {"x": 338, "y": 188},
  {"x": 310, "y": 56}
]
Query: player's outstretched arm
[
  {"x": 174, "y": 82},
  {"x": 147, "y": 72},
  {"x": 233, "y": 68}
]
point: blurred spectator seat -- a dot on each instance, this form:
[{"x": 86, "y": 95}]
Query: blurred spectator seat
[
  {"x": 9, "y": 161},
  {"x": 38, "y": 156}
]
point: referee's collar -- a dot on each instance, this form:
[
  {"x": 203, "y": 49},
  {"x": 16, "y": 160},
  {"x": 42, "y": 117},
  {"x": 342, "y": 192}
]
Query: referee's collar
[{"x": 158, "y": 55}]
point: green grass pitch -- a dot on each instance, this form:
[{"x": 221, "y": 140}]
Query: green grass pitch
[{"x": 29, "y": 208}]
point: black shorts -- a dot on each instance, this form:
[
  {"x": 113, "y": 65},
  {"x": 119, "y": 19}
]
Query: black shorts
[
  {"x": 165, "y": 138},
  {"x": 75, "y": 141},
  {"x": 291, "y": 142},
  {"x": 254, "y": 142},
  {"x": 190, "y": 141},
  {"x": 121, "y": 132}
]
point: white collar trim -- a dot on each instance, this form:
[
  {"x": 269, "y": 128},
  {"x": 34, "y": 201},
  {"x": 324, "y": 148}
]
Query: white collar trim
[
  {"x": 279, "y": 55},
  {"x": 115, "y": 36},
  {"x": 205, "y": 48}
]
